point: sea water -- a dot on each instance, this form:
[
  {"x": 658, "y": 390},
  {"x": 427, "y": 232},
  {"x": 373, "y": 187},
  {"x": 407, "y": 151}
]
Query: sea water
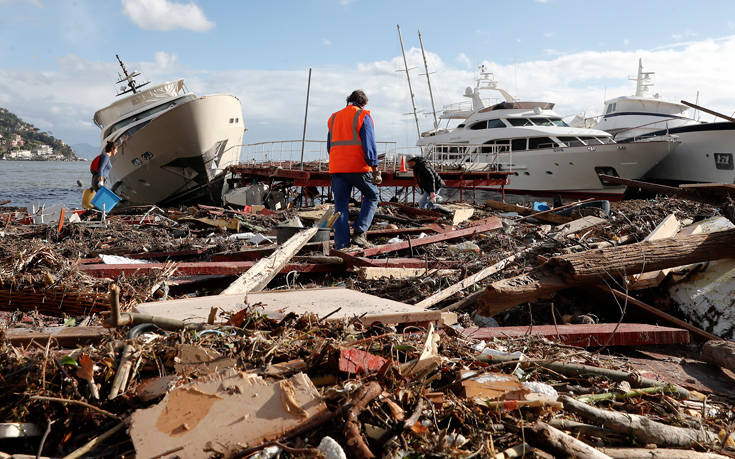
[{"x": 49, "y": 183}]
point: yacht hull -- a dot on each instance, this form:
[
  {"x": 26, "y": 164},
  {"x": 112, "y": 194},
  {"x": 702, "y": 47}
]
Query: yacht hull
[
  {"x": 705, "y": 154},
  {"x": 179, "y": 153},
  {"x": 574, "y": 171}
]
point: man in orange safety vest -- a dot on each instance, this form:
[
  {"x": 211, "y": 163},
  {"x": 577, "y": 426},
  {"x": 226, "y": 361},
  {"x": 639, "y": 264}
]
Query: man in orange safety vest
[{"x": 353, "y": 162}]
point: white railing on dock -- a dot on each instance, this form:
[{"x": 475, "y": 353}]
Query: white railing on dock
[{"x": 287, "y": 153}]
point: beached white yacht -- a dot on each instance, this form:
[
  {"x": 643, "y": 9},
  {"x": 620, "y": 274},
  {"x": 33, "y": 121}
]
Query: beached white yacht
[
  {"x": 529, "y": 139},
  {"x": 172, "y": 145},
  {"x": 706, "y": 150}
]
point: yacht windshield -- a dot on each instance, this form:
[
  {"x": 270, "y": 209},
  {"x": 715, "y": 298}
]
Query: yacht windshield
[
  {"x": 542, "y": 122},
  {"x": 145, "y": 114},
  {"x": 559, "y": 122}
]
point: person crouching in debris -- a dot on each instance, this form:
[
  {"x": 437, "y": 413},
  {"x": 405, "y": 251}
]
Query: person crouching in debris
[
  {"x": 101, "y": 165},
  {"x": 428, "y": 179},
  {"x": 353, "y": 162}
]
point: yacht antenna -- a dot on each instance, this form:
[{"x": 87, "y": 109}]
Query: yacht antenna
[
  {"x": 408, "y": 77},
  {"x": 643, "y": 80},
  {"x": 428, "y": 81},
  {"x": 128, "y": 79}
]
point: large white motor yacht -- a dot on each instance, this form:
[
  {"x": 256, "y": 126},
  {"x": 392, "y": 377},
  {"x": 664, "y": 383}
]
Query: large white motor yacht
[
  {"x": 172, "y": 145},
  {"x": 529, "y": 139},
  {"x": 706, "y": 150}
]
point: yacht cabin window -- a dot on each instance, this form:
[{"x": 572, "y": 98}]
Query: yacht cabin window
[
  {"x": 489, "y": 124},
  {"x": 520, "y": 122},
  {"x": 559, "y": 122},
  {"x": 538, "y": 143},
  {"x": 542, "y": 122},
  {"x": 146, "y": 113},
  {"x": 611, "y": 108},
  {"x": 518, "y": 144}
]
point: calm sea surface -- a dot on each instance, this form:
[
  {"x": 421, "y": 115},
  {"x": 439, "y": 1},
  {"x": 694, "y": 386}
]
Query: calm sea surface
[{"x": 53, "y": 183}]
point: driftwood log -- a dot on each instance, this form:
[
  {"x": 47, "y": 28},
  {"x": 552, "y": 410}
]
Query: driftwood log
[
  {"x": 552, "y": 440},
  {"x": 720, "y": 353},
  {"x": 592, "y": 266},
  {"x": 642, "y": 428}
]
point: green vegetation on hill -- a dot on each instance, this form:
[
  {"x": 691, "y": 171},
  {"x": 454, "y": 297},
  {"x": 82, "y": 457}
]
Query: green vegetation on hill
[{"x": 32, "y": 136}]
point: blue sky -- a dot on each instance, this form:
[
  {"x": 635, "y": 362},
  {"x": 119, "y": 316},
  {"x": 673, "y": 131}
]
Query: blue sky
[{"x": 57, "y": 60}]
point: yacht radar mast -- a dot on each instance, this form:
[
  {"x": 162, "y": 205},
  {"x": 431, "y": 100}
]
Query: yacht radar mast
[
  {"x": 486, "y": 81},
  {"x": 129, "y": 82},
  {"x": 643, "y": 81}
]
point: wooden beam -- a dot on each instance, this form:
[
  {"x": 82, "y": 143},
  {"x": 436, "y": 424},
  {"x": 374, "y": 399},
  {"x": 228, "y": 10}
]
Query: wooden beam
[
  {"x": 556, "y": 209},
  {"x": 588, "y": 335},
  {"x": 374, "y": 272},
  {"x": 548, "y": 218},
  {"x": 232, "y": 268},
  {"x": 471, "y": 280},
  {"x": 645, "y": 256},
  {"x": 258, "y": 277},
  {"x": 63, "y": 336},
  {"x": 495, "y": 223}
]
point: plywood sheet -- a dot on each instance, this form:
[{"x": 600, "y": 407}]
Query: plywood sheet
[{"x": 321, "y": 302}]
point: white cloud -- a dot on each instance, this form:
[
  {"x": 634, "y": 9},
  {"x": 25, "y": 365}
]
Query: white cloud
[
  {"x": 548, "y": 34},
  {"x": 676, "y": 36},
  {"x": 464, "y": 60},
  {"x": 166, "y": 15},
  {"x": 326, "y": 42},
  {"x": 576, "y": 82},
  {"x": 541, "y": 1}
]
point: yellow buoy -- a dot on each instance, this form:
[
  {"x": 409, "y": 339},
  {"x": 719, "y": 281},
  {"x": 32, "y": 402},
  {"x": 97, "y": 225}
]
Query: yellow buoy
[{"x": 87, "y": 197}]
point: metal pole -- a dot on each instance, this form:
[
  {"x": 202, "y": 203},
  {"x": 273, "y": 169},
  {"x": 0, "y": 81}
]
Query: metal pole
[
  {"x": 306, "y": 114},
  {"x": 428, "y": 81},
  {"x": 408, "y": 77}
]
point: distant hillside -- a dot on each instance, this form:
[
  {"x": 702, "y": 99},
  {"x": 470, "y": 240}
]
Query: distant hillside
[
  {"x": 85, "y": 150},
  {"x": 31, "y": 136}
]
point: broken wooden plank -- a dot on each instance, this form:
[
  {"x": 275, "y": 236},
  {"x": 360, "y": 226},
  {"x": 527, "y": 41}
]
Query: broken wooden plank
[
  {"x": 556, "y": 209},
  {"x": 373, "y": 272},
  {"x": 548, "y": 218},
  {"x": 471, "y": 280},
  {"x": 588, "y": 335},
  {"x": 258, "y": 277},
  {"x": 63, "y": 336},
  {"x": 228, "y": 409},
  {"x": 232, "y": 268},
  {"x": 668, "y": 228},
  {"x": 493, "y": 224},
  {"x": 575, "y": 226}
]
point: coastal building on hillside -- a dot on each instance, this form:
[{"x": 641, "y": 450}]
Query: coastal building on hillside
[
  {"x": 20, "y": 154},
  {"x": 44, "y": 151},
  {"x": 15, "y": 141}
]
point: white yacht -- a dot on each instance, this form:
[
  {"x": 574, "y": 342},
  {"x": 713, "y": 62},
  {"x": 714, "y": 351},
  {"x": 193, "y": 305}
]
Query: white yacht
[
  {"x": 529, "y": 139},
  {"x": 172, "y": 145},
  {"x": 706, "y": 150}
]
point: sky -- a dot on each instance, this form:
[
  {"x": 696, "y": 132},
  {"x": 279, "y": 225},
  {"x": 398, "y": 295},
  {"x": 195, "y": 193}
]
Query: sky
[{"x": 58, "y": 66}]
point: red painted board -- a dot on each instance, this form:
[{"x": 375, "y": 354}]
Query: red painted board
[
  {"x": 356, "y": 361},
  {"x": 492, "y": 224},
  {"x": 191, "y": 269},
  {"x": 589, "y": 335}
]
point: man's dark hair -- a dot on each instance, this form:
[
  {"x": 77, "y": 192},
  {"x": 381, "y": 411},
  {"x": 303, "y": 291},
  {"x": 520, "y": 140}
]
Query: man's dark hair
[
  {"x": 110, "y": 146},
  {"x": 358, "y": 98}
]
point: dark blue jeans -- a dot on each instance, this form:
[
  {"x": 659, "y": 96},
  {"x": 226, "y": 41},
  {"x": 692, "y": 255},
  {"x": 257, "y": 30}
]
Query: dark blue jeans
[{"x": 342, "y": 185}]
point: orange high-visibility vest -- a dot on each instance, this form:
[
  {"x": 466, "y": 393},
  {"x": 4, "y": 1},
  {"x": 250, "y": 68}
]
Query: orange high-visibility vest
[{"x": 345, "y": 153}]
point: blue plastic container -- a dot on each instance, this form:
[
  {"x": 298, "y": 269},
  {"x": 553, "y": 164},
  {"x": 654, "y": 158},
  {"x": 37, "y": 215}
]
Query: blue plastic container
[{"x": 105, "y": 199}]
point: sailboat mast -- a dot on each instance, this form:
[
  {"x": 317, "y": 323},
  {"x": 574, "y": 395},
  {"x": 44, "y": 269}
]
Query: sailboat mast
[
  {"x": 408, "y": 77},
  {"x": 428, "y": 81}
]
